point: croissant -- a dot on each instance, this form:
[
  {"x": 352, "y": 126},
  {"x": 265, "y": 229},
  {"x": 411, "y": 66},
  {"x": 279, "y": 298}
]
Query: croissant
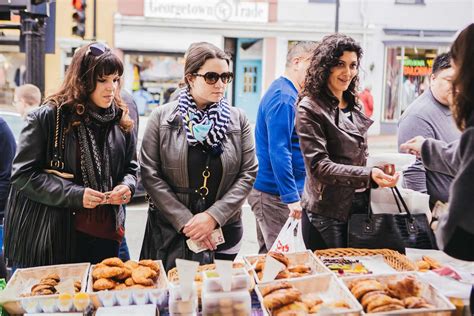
[
  {"x": 362, "y": 288},
  {"x": 281, "y": 297},
  {"x": 370, "y": 296},
  {"x": 295, "y": 306},
  {"x": 404, "y": 288},
  {"x": 280, "y": 257},
  {"x": 300, "y": 268},
  {"x": 274, "y": 287},
  {"x": 416, "y": 302},
  {"x": 386, "y": 308},
  {"x": 381, "y": 300},
  {"x": 311, "y": 299}
]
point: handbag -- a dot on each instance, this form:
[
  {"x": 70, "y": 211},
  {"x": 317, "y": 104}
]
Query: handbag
[
  {"x": 35, "y": 233},
  {"x": 392, "y": 231}
]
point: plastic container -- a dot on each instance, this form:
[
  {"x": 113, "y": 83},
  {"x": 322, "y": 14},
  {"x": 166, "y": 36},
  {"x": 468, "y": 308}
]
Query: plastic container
[
  {"x": 107, "y": 298},
  {"x": 212, "y": 281},
  {"x": 176, "y": 304},
  {"x": 227, "y": 303}
]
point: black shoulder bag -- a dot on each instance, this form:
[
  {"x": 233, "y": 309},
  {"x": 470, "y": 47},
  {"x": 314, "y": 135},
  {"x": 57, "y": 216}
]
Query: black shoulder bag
[
  {"x": 37, "y": 234},
  {"x": 393, "y": 231}
]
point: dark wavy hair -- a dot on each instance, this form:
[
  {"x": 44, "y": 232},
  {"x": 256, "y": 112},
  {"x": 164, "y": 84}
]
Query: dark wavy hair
[
  {"x": 80, "y": 82},
  {"x": 462, "y": 52},
  {"x": 325, "y": 56}
]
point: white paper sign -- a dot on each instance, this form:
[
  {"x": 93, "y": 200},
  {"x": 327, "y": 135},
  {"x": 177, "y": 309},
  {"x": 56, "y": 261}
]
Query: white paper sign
[
  {"x": 272, "y": 268},
  {"x": 224, "y": 269},
  {"x": 186, "y": 271}
]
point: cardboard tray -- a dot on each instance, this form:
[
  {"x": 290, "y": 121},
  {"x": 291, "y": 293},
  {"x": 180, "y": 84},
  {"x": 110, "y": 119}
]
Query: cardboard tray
[
  {"x": 304, "y": 257},
  {"x": 442, "y": 305},
  {"x": 157, "y": 296},
  {"x": 327, "y": 286},
  {"x": 23, "y": 279}
]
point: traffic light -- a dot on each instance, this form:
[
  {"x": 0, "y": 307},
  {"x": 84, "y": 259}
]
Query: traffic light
[{"x": 79, "y": 18}]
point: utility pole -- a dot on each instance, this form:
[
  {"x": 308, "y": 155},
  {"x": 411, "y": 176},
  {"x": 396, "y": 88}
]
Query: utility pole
[
  {"x": 33, "y": 29},
  {"x": 337, "y": 16}
]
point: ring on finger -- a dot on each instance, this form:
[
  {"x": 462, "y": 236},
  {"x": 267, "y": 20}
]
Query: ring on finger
[{"x": 124, "y": 197}]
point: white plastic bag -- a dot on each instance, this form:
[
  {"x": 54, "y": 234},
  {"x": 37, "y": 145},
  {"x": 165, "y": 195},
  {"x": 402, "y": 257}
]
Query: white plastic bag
[{"x": 287, "y": 241}]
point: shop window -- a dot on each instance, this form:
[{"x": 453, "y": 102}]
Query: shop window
[
  {"x": 250, "y": 79},
  {"x": 407, "y": 72},
  {"x": 12, "y": 75}
]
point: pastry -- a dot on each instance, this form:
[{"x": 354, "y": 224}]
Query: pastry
[
  {"x": 382, "y": 300},
  {"x": 129, "y": 282},
  {"x": 51, "y": 282},
  {"x": 368, "y": 297},
  {"x": 126, "y": 273},
  {"x": 260, "y": 265},
  {"x": 120, "y": 286},
  {"x": 338, "y": 304},
  {"x": 387, "y": 308},
  {"x": 422, "y": 265},
  {"x": 345, "y": 266},
  {"x": 142, "y": 275},
  {"x": 300, "y": 268},
  {"x": 106, "y": 272},
  {"x": 285, "y": 274},
  {"x": 280, "y": 257},
  {"x": 274, "y": 287},
  {"x": 44, "y": 292},
  {"x": 150, "y": 264},
  {"x": 295, "y": 306},
  {"x": 131, "y": 264},
  {"x": 432, "y": 262},
  {"x": 113, "y": 262},
  {"x": 39, "y": 287},
  {"x": 53, "y": 276},
  {"x": 103, "y": 284},
  {"x": 311, "y": 300},
  {"x": 416, "y": 302},
  {"x": 280, "y": 298},
  {"x": 404, "y": 288},
  {"x": 362, "y": 288}
]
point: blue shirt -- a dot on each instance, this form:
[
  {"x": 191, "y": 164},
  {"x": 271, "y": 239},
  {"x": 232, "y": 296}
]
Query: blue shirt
[
  {"x": 8, "y": 146},
  {"x": 280, "y": 162}
]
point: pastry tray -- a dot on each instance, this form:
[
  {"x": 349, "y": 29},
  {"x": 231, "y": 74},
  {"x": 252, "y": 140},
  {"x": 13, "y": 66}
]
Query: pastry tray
[
  {"x": 442, "y": 305},
  {"x": 304, "y": 257},
  {"x": 157, "y": 296},
  {"x": 23, "y": 279},
  {"x": 327, "y": 286}
]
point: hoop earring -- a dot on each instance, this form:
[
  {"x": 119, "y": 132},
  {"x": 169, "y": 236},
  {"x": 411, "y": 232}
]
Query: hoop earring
[{"x": 80, "y": 109}]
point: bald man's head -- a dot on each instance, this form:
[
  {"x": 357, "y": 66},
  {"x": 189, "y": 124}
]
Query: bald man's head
[{"x": 27, "y": 98}]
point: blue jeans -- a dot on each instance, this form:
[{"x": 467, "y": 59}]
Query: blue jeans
[{"x": 124, "y": 253}]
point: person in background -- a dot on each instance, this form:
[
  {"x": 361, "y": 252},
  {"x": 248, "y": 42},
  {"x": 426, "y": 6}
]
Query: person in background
[
  {"x": 430, "y": 116},
  {"x": 367, "y": 101},
  {"x": 280, "y": 177},
  {"x": 333, "y": 139},
  {"x": 98, "y": 149},
  {"x": 455, "y": 230},
  {"x": 8, "y": 146},
  {"x": 197, "y": 164},
  {"x": 26, "y": 99}
]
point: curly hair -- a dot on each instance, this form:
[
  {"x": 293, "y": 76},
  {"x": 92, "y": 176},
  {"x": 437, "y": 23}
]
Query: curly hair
[
  {"x": 462, "y": 51},
  {"x": 80, "y": 82},
  {"x": 326, "y": 56}
]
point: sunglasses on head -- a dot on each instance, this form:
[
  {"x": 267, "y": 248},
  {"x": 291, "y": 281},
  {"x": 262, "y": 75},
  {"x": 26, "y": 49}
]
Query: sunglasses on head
[
  {"x": 96, "y": 49},
  {"x": 212, "y": 77}
]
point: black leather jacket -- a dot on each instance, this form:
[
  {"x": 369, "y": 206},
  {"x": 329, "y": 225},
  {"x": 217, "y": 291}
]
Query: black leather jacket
[
  {"x": 34, "y": 153},
  {"x": 335, "y": 154}
]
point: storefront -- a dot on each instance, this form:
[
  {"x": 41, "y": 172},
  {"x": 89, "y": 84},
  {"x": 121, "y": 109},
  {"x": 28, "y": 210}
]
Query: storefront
[
  {"x": 407, "y": 75},
  {"x": 12, "y": 73}
]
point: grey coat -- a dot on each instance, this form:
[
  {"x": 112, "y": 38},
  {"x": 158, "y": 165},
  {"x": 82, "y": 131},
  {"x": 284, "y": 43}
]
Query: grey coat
[
  {"x": 455, "y": 233},
  {"x": 164, "y": 164}
]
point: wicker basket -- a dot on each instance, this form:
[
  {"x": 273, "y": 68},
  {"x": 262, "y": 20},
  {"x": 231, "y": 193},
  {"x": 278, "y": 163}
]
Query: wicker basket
[{"x": 393, "y": 258}]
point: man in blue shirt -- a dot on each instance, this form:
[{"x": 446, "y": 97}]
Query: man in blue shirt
[{"x": 280, "y": 178}]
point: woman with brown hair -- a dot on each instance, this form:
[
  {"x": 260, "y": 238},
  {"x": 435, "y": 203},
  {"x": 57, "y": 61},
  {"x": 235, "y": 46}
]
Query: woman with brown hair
[
  {"x": 333, "y": 139},
  {"x": 197, "y": 165},
  {"x": 74, "y": 169}
]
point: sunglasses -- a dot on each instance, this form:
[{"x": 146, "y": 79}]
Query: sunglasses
[
  {"x": 96, "y": 49},
  {"x": 212, "y": 77}
]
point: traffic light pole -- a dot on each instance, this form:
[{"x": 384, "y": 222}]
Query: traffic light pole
[{"x": 33, "y": 28}]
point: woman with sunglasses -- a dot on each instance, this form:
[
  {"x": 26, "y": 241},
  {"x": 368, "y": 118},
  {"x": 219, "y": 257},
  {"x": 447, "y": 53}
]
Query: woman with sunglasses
[
  {"x": 198, "y": 165},
  {"x": 77, "y": 156}
]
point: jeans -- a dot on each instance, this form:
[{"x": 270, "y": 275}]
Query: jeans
[{"x": 124, "y": 253}]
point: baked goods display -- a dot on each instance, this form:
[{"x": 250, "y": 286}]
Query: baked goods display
[
  {"x": 345, "y": 266},
  {"x": 376, "y": 297},
  {"x": 281, "y": 298},
  {"x": 291, "y": 270},
  {"x": 427, "y": 263},
  {"x": 47, "y": 286},
  {"x": 114, "y": 274}
]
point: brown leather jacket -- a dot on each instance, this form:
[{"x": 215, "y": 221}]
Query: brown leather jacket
[{"x": 335, "y": 154}]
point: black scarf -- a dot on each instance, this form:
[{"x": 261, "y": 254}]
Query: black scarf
[{"x": 95, "y": 163}]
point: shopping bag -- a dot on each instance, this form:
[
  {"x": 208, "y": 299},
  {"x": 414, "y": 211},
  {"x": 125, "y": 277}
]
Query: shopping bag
[{"x": 288, "y": 239}]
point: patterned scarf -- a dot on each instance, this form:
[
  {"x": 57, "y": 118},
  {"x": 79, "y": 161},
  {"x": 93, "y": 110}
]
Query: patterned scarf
[
  {"x": 207, "y": 127},
  {"x": 95, "y": 164}
]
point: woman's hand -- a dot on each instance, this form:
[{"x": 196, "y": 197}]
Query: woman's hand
[
  {"x": 384, "y": 180},
  {"x": 92, "y": 198},
  {"x": 200, "y": 227},
  {"x": 121, "y": 194},
  {"x": 413, "y": 146}
]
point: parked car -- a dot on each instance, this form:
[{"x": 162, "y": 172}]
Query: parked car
[{"x": 14, "y": 121}]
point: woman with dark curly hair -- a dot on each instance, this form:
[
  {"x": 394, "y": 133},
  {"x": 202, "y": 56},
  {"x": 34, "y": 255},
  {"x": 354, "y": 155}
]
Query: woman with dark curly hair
[
  {"x": 74, "y": 170},
  {"x": 333, "y": 139}
]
